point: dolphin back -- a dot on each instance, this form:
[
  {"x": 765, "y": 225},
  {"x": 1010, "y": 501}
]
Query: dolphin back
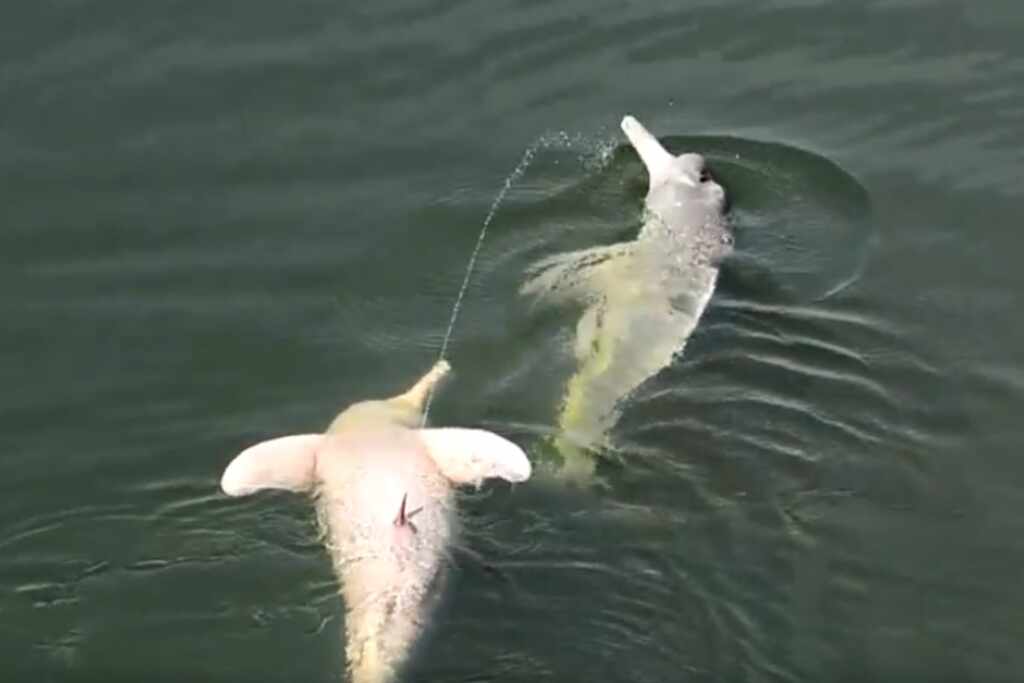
[{"x": 642, "y": 299}]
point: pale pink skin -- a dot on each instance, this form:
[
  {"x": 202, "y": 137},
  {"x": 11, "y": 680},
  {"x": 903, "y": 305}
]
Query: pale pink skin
[
  {"x": 390, "y": 575},
  {"x": 391, "y": 568}
]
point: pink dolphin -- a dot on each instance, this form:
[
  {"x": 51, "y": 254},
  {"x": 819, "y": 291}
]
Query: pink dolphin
[{"x": 384, "y": 493}]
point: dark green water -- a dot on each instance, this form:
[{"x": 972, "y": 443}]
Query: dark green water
[{"x": 223, "y": 221}]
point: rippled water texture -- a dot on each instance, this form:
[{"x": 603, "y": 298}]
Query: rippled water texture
[{"x": 223, "y": 221}]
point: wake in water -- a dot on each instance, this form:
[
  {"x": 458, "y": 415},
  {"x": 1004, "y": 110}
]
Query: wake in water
[{"x": 643, "y": 298}]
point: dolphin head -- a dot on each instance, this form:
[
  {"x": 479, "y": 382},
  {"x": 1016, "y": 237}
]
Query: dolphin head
[{"x": 686, "y": 176}]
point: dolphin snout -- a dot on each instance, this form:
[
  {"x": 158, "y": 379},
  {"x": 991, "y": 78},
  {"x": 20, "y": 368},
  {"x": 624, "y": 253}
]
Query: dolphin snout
[
  {"x": 630, "y": 126},
  {"x": 654, "y": 156}
]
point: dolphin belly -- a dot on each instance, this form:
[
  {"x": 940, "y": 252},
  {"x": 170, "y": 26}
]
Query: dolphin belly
[
  {"x": 385, "y": 499},
  {"x": 388, "y": 539}
]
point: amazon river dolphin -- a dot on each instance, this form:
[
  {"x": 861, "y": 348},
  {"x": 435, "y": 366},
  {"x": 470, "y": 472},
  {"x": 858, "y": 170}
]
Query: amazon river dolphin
[
  {"x": 642, "y": 298},
  {"x": 384, "y": 494}
]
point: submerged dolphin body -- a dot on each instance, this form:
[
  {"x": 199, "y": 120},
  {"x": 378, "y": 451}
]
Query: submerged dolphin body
[
  {"x": 385, "y": 499},
  {"x": 642, "y": 298}
]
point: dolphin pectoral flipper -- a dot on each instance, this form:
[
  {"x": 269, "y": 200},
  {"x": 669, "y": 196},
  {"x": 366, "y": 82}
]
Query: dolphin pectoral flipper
[
  {"x": 288, "y": 462},
  {"x": 468, "y": 456},
  {"x": 573, "y": 275}
]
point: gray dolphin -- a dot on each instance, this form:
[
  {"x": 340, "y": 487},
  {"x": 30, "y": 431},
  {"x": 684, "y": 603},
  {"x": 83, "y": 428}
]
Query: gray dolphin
[
  {"x": 384, "y": 495},
  {"x": 642, "y": 299}
]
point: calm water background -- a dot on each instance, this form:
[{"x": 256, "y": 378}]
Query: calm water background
[{"x": 222, "y": 221}]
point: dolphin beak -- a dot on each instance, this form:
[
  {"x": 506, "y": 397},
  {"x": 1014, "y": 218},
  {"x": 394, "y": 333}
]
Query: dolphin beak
[{"x": 654, "y": 156}]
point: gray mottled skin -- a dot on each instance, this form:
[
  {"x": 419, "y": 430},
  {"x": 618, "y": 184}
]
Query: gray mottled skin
[
  {"x": 642, "y": 298},
  {"x": 385, "y": 500}
]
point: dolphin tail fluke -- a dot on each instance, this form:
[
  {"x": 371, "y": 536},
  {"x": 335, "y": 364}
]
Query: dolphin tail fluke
[{"x": 574, "y": 275}]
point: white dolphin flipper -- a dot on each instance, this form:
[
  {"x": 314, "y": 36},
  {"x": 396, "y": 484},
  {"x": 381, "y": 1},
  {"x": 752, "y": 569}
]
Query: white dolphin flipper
[
  {"x": 468, "y": 456},
  {"x": 574, "y": 275},
  {"x": 288, "y": 462}
]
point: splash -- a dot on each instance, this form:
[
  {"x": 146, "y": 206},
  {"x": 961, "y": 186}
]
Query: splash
[{"x": 591, "y": 154}]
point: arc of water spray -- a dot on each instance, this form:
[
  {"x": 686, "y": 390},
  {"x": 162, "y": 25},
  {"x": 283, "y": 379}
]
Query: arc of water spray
[
  {"x": 517, "y": 173},
  {"x": 558, "y": 139}
]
